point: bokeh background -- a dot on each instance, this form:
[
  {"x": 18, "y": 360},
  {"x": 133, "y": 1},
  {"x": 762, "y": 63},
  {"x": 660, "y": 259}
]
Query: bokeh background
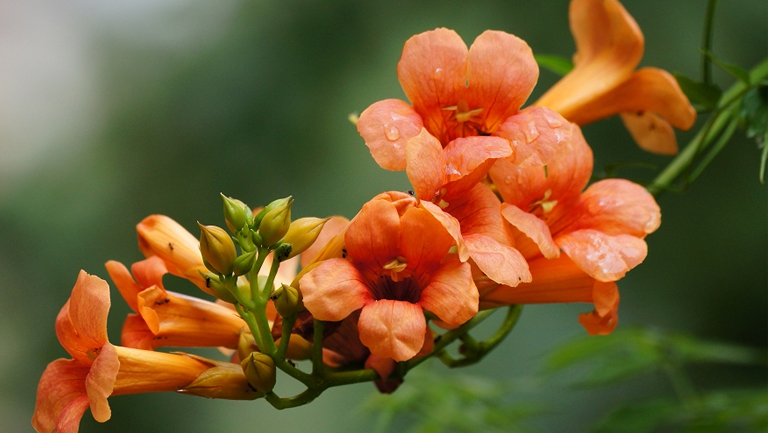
[{"x": 114, "y": 110}]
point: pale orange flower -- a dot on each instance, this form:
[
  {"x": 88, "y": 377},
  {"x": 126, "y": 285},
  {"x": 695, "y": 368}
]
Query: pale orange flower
[
  {"x": 465, "y": 114},
  {"x": 395, "y": 267},
  {"x": 600, "y": 230},
  {"x": 604, "y": 82},
  {"x": 99, "y": 370},
  {"x": 168, "y": 319}
]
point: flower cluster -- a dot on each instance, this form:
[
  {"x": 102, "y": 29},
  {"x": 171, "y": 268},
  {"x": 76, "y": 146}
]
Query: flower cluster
[{"x": 501, "y": 215}]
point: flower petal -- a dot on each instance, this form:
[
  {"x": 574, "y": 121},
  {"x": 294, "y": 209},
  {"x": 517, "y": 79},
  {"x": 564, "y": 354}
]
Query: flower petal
[
  {"x": 604, "y": 257},
  {"x": 81, "y": 325},
  {"x": 332, "y": 227},
  {"x": 426, "y": 163},
  {"x": 609, "y": 45},
  {"x": 371, "y": 239},
  {"x": 536, "y": 134},
  {"x": 532, "y": 227},
  {"x": 501, "y": 263},
  {"x": 451, "y": 294},
  {"x": 334, "y": 289},
  {"x": 423, "y": 240},
  {"x": 467, "y": 161},
  {"x": 61, "y": 397},
  {"x": 432, "y": 71},
  {"x": 386, "y": 126},
  {"x": 149, "y": 272},
  {"x": 392, "y": 329},
  {"x": 136, "y": 333},
  {"x": 101, "y": 381},
  {"x": 613, "y": 206},
  {"x": 478, "y": 212},
  {"x": 124, "y": 282},
  {"x": 651, "y": 132},
  {"x": 451, "y": 224},
  {"x": 501, "y": 73},
  {"x": 603, "y": 320}
]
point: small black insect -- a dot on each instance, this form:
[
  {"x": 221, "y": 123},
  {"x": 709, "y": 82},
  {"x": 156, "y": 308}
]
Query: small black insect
[
  {"x": 343, "y": 253},
  {"x": 411, "y": 192},
  {"x": 208, "y": 282},
  {"x": 170, "y": 245}
]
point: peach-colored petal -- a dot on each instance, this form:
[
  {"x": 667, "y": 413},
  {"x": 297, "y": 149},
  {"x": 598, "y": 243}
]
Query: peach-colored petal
[
  {"x": 613, "y": 206},
  {"x": 81, "y": 325},
  {"x": 451, "y": 224},
  {"x": 604, "y": 257},
  {"x": 149, "y": 272},
  {"x": 332, "y": 227},
  {"x": 136, "y": 333},
  {"x": 386, "y": 126},
  {"x": 609, "y": 44},
  {"x": 369, "y": 236},
  {"x": 651, "y": 132},
  {"x": 432, "y": 71},
  {"x": 61, "y": 397},
  {"x": 124, "y": 282},
  {"x": 604, "y": 318},
  {"x": 451, "y": 294},
  {"x": 334, "y": 289},
  {"x": 501, "y": 74},
  {"x": 423, "y": 240},
  {"x": 392, "y": 329},
  {"x": 467, "y": 161},
  {"x": 501, "y": 263},
  {"x": 532, "y": 227},
  {"x": 424, "y": 154},
  {"x": 605, "y": 296},
  {"x": 383, "y": 366},
  {"x": 478, "y": 212},
  {"x": 536, "y": 134},
  {"x": 101, "y": 381}
]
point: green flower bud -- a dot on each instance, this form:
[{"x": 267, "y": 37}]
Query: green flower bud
[
  {"x": 259, "y": 216},
  {"x": 212, "y": 282},
  {"x": 259, "y": 369},
  {"x": 287, "y": 300},
  {"x": 217, "y": 248},
  {"x": 236, "y": 213},
  {"x": 246, "y": 345},
  {"x": 276, "y": 223},
  {"x": 303, "y": 233},
  {"x": 244, "y": 263},
  {"x": 222, "y": 380},
  {"x": 256, "y": 238}
]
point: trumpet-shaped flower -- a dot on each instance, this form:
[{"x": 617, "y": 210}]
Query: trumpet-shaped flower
[
  {"x": 98, "y": 369},
  {"x": 396, "y": 265},
  {"x": 604, "y": 82},
  {"x": 600, "y": 230},
  {"x": 465, "y": 113},
  {"x": 166, "y": 318}
]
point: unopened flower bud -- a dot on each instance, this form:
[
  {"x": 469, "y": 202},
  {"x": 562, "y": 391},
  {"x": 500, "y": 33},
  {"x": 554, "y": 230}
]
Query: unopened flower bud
[
  {"x": 223, "y": 380},
  {"x": 246, "y": 345},
  {"x": 298, "y": 348},
  {"x": 212, "y": 282},
  {"x": 260, "y": 215},
  {"x": 236, "y": 213},
  {"x": 259, "y": 369},
  {"x": 303, "y": 233},
  {"x": 244, "y": 263},
  {"x": 256, "y": 238},
  {"x": 217, "y": 248},
  {"x": 276, "y": 223},
  {"x": 287, "y": 300}
]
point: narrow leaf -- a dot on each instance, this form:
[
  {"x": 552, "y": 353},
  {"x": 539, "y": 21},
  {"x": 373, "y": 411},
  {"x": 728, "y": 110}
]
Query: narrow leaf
[
  {"x": 558, "y": 65},
  {"x": 705, "y": 95},
  {"x": 763, "y": 158},
  {"x": 736, "y": 71}
]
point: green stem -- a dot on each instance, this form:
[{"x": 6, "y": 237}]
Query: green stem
[
  {"x": 251, "y": 322},
  {"x": 253, "y": 276},
  {"x": 706, "y": 43},
  {"x": 480, "y": 349},
  {"x": 715, "y": 124},
  {"x": 285, "y": 337},
  {"x": 299, "y": 400},
  {"x": 318, "y": 366}
]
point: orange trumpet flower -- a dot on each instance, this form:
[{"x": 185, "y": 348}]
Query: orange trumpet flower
[
  {"x": 604, "y": 82},
  {"x": 99, "y": 370}
]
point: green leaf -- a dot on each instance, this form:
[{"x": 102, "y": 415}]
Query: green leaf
[
  {"x": 736, "y": 71},
  {"x": 702, "y": 94},
  {"x": 754, "y": 111},
  {"x": 558, "y": 65},
  {"x": 638, "y": 417},
  {"x": 764, "y": 157}
]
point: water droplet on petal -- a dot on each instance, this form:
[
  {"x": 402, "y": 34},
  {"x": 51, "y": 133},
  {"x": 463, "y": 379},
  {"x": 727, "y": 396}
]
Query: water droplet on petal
[
  {"x": 450, "y": 169},
  {"x": 531, "y": 133},
  {"x": 391, "y": 132},
  {"x": 553, "y": 122}
]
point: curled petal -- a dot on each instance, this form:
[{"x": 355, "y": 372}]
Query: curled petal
[
  {"x": 451, "y": 224},
  {"x": 426, "y": 163},
  {"x": 432, "y": 72},
  {"x": 501, "y": 263},
  {"x": 604, "y": 257},
  {"x": 501, "y": 73},
  {"x": 604, "y": 318},
  {"x": 392, "y": 329},
  {"x": 423, "y": 240},
  {"x": 124, "y": 282},
  {"x": 61, "y": 397},
  {"x": 536, "y": 134},
  {"x": 369, "y": 236},
  {"x": 334, "y": 289},
  {"x": 136, "y": 333},
  {"x": 613, "y": 206},
  {"x": 81, "y": 325},
  {"x": 100, "y": 382},
  {"x": 467, "y": 161},
  {"x": 651, "y": 132},
  {"x": 478, "y": 212},
  {"x": 532, "y": 227},
  {"x": 149, "y": 272},
  {"x": 451, "y": 294},
  {"x": 386, "y": 127}
]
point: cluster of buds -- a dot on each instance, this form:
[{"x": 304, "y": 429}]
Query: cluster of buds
[{"x": 501, "y": 216}]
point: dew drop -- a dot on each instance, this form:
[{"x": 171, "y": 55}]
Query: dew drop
[
  {"x": 531, "y": 133},
  {"x": 450, "y": 169},
  {"x": 391, "y": 132},
  {"x": 553, "y": 122}
]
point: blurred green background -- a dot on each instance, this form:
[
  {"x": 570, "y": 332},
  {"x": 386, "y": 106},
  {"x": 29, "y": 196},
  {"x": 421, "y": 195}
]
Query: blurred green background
[{"x": 111, "y": 111}]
